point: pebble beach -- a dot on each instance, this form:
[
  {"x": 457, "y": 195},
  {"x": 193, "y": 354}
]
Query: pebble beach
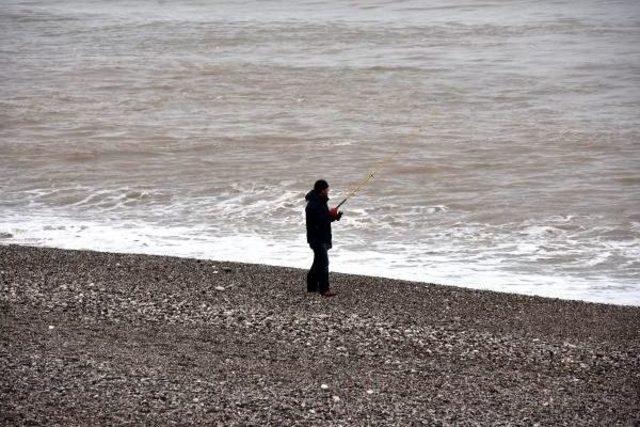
[{"x": 89, "y": 338}]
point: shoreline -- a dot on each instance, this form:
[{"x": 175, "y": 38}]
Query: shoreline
[
  {"x": 468, "y": 285},
  {"x": 93, "y": 337}
]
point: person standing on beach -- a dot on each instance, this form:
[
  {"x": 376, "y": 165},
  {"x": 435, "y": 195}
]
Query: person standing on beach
[{"x": 319, "y": 218}]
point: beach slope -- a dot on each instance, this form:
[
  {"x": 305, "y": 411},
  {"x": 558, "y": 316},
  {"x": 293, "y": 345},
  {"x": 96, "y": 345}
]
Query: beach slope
[{"x": 94, "y": 338}]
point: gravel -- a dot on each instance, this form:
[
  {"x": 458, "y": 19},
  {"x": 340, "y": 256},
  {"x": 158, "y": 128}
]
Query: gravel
[{"x": 90, "y": 338}]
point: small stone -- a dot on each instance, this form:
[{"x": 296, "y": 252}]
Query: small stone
[
  {"x": 324, "y": 387},
  {"x": 312, "y": 411},
  {"x": 336, "y": 399},
  {"x": 219, "y": 288},
  {"x": 51, "y": 327},
  {"x": 369, "y": 391},
  {"x": 196, "y": 400}
]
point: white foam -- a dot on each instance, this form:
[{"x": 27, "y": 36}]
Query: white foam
[{"x": 433, "y": 264}]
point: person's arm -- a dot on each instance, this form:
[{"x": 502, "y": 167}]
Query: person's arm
[{"x": 318, "y": 214}]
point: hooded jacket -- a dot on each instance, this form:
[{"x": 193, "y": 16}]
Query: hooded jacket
[{"x": 318, "y": 219}]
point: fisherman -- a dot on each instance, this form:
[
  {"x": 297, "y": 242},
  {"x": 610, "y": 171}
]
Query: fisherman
[{"x": 319, "y": 218}]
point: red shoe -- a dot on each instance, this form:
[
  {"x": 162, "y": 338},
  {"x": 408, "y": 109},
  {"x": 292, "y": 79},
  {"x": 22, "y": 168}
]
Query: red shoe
[{"x": 328, "y": 294}]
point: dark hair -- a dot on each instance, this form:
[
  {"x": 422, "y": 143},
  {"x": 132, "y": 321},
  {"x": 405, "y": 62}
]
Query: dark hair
[{"x": 320, "y": 185}]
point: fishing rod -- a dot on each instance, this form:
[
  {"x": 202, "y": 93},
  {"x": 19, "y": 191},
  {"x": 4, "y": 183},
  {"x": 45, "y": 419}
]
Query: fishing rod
[{"x": 354, "y": 190}]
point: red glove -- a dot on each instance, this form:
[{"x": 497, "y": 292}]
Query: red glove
[{"x": 334, "y": 214}]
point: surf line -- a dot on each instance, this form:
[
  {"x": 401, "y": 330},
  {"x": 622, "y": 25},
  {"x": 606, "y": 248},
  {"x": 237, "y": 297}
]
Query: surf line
[{"x": 356, "y": 189}]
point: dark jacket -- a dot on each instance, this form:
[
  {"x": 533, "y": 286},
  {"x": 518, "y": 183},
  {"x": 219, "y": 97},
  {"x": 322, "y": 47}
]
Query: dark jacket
[{"x": 318, "y": 219}]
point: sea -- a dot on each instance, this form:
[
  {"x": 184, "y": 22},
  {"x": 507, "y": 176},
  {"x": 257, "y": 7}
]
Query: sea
[{"x": 503, "y": 136}]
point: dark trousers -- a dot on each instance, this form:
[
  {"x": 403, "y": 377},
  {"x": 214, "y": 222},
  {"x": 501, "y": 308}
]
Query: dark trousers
[{"x": 318, "y": 275}]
